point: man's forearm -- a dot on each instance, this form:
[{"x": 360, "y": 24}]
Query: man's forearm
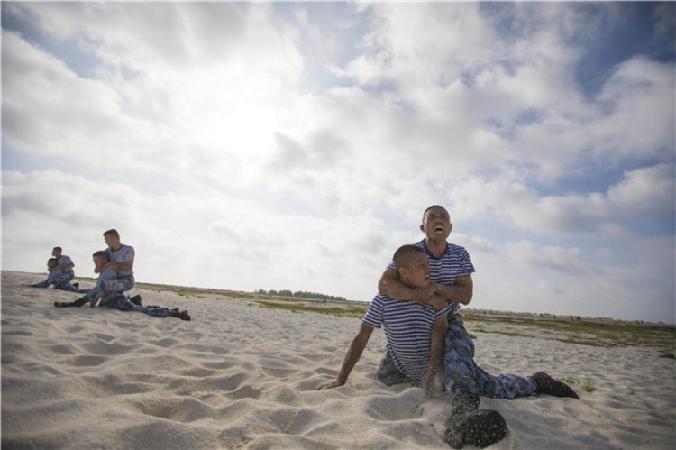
[
  {"x": 396, "y": 289},
  {"x": 351, "y": 358},
  {"x": 122, "y": 266},
  {"x": 437, "y": 347},
  {"x": 456, "y": 293}
]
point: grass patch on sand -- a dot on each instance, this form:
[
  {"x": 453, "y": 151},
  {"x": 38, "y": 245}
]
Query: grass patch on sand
[
  {"x": 667, "y": 354},
  {"x": 567, "y": 330},
  {"x": 577, "y": 331},
  {"x": 588, "y": 387},
  {"x": 343, "y": 312}
]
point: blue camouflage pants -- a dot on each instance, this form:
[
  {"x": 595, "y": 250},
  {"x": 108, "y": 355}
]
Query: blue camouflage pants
[
  {"x": 388, "y": 374},
  {"x": 120, "y": 284},
  {"x": 112, "y": 291},
  {"x": 124, "y": 304},
  {"x": 463, "y": 375},
  {"x": 60, "y": 279}
]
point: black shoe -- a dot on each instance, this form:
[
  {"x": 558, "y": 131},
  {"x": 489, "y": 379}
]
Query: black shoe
[
  {"x": 136, "y": 300},
  {"x": 469, "y": 425},
  {"x": 548, "y": 385},
  {"x": 64, "y": 304},
  {"x": 183, "y": 315},
  {"x": 76, "y": 285}
]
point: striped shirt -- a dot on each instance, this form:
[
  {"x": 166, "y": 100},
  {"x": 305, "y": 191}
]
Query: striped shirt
[
  {"x": 122, "y": 254},
  {"x": 408, "y": 328},
  {"x": 453, "y": 263},
  {"x": 64, "y": 259}
]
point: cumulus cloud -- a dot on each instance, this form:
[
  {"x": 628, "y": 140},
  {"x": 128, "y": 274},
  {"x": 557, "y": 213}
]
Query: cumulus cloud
[{"x": 294, "y": 146}]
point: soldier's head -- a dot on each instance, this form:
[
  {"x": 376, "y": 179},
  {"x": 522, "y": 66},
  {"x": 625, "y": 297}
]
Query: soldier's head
[
  {"x": 412, "y": 265},
  {"x": 52, "y": 262},
  {"x": 56, "y": 252},
  {"x": 436, "y": 223},
  {"x": 100, "y": 259},
  {"x": 112, "y": 238}
]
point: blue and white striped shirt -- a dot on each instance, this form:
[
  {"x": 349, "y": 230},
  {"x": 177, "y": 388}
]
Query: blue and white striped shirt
[
  {"x": 453, "y": 263},
  {"x": 408, "y": 328},
  {"x": 123, "y": 254}
]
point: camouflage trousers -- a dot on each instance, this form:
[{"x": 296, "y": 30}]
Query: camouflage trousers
[
  {"x": 462, "y": 375},
  {"x": 124, "y": 304},
  {"x": 60, "y": 279},
  {"x": 112, "y": 290}
]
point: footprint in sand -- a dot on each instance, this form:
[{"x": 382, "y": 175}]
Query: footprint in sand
[
  {"x": 179, "y": 409},
  {"x": 166, "y": 342},
  {"x": 114, "y": 385},
  {"x": 104, "y": 337},
  {"x": 197, "y": 372},
  {"x": 219, "y": 365},
  {"x": 326, "y": 371},
  {"x": 220, "y": 383},
  {"x": 103, "y": 348},
  {"x": 286, "y": 396},
  {"x": 291, "y": 420},
  {"x": 392, "y": 408},
  {"x": 61, "y": 349},
  {"x": 87, "y": 360},
  {"x": 235, "y": 437},
  {"x": 246, "y": 392}
]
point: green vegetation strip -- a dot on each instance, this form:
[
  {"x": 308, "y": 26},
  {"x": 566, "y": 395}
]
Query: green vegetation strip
[
  {"x": 578, "y": 332},
  {"x": 343, "y": 312},
  {"x": 587, "y": 332}
]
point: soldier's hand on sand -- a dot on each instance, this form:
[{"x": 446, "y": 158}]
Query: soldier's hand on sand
[{"x": 333, "y": 384}]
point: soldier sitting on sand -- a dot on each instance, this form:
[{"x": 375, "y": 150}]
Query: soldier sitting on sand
[
  {"x": 112, "y": 298},
  {"x": 402, "y": 306},
  {"x": 57, "y": 278}
]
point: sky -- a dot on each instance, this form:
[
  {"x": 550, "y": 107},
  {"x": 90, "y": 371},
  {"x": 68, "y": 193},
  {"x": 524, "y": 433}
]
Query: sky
[{"x": 296, "y": 145}]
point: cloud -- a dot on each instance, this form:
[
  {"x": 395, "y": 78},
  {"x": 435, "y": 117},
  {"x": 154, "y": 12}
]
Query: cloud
[{"x": 220, "y": 136}]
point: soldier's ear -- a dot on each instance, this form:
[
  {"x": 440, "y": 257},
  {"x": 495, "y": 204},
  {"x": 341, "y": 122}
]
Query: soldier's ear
[{"x": 422, "y": 228}]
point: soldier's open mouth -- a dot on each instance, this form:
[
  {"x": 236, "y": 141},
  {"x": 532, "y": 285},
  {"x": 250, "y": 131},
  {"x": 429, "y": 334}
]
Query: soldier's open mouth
[{"x": 439, "y": 228}]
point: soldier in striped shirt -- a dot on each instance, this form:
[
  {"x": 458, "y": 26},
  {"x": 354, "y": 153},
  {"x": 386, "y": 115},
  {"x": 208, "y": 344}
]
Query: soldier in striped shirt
[
  {"x": 120, "y": 260},
  {"x": 463, "y": 379},
  {"x": 415, "y": 334}
]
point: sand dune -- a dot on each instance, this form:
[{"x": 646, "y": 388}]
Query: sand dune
[{"x": 240, "y": 376}]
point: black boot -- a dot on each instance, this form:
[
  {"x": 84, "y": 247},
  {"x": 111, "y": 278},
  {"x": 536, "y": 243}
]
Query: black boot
[
  {"x": 469, "y": 425},
  {"x": 548, "y": 385},
  {"x": 136, "y": 300},
  {"x": 76, "y": 304},
  {"x": 183, "y": 315}
]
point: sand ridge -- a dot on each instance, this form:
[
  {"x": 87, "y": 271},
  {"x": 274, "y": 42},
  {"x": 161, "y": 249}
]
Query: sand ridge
[{"x": 240, "y": 376}]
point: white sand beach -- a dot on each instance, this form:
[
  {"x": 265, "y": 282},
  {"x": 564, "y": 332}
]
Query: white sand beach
[{"x": 241, "y": 376}]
